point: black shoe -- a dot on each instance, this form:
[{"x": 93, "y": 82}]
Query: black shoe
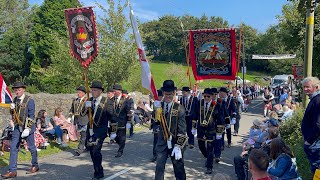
[
  {"x": 154, "y": 159},
  {"x": 217, "y": 160},
  {"x": 209, "y": 171},
  {"x": 77, "y": 152},
  {"x": 191, "y": 146},
  {"x": 118, "y": 155}
]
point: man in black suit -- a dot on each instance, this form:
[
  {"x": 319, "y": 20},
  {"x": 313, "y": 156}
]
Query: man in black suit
[
  {"x": 120, "y": 111},
  {"x": 172, "y": 136},
  {"x": 79, "y": 112},
  {"x": 98, "y": 132},
  {"x": 189, "y": 102}
]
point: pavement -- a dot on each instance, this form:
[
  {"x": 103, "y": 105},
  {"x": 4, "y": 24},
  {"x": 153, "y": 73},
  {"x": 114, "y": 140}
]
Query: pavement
[{"x": 135, "y": 162}]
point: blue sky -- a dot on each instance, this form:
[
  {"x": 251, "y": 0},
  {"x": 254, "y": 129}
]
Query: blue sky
[{"x": 259, "y": 14}]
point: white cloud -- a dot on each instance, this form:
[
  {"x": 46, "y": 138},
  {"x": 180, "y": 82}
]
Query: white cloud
[{"x": 146, "y": 15}]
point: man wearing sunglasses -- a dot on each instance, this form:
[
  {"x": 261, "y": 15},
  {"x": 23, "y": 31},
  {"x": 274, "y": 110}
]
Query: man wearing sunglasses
[
  {"x": 172, "y": 135},
  {"x": 210, "y": 125}
]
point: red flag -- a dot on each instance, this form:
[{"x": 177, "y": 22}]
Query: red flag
[{"x": 147, "y": 80}]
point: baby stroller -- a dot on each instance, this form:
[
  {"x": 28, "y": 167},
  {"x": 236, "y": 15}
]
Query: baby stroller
[{"x": 5, "y": 140}]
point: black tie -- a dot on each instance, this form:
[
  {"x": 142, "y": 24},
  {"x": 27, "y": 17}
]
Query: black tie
[
  {"x": 186, "y": 101},
  {"x": 167, "y": 110},
  {"x": 207, "y": 106},
  {"x": 94, "y": 104},
  {"x": 18, "y": 102}
]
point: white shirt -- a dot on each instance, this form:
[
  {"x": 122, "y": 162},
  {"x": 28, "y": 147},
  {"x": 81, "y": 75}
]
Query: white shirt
[
  {"x": 118, "y": 99},
  {"x": 21, "y": 98},
  {"x": 169, "y": 106}
]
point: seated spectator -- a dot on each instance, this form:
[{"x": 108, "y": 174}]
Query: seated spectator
[
  {"x": 283, "y": 165},
  {"x": 61, "y": 121},
  {"x": 270, "y": 124},
  {"x": 258, "y": 165},
  {"x": 241, "y": 160},
  {"x": 46, "y": 128},
  {"x": 287, "y": 113},
  {"x": 254, "y": 132}
]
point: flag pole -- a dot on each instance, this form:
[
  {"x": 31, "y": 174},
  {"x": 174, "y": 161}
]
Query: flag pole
[
  {"x": 239, "y": 55},
  {"x": 85, "y": 77},
  {"x": 187, "y": 53}
]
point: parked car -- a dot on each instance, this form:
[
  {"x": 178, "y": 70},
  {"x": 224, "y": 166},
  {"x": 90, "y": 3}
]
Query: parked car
[{"x": 239, "y": 80}]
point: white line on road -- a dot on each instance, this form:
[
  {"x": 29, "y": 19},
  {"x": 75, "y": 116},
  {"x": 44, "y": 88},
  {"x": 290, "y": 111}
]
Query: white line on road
[
  {"x": 118, "y": 174},
  {"x": 257, "y": 105},
  {"x": 223, "y": 163}
]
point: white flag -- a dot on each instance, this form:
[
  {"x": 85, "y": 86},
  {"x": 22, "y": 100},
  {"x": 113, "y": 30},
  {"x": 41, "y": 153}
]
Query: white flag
[{"x": 147, "y": 80}]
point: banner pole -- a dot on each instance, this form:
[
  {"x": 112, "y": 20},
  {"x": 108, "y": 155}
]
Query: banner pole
[
  {"x": 187, "y": 53},
  {"x": 239, "y": 55},
  {"x": 85, "y": 76}
]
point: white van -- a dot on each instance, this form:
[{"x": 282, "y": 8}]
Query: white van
[{"x": 282, "y": 80}]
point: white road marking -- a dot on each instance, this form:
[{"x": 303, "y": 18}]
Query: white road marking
[
  {"x": 257, "y": 105},
  {"x": 118, "y": 174},
  {"x": 223, "y": 163}
]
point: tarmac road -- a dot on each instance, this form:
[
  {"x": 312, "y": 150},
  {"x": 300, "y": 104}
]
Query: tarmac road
[{"x": 135, "y": 164}]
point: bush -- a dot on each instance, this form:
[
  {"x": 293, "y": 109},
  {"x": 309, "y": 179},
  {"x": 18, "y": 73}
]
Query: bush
[{"x": 291, "y": 133}]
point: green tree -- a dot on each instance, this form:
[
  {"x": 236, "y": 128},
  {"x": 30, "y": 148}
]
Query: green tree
[{"x": 14, "y": 31}]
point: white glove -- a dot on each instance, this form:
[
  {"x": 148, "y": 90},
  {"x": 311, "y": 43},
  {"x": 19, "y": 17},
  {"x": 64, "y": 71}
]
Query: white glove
[
  {"x": 176, "y": 152},
  {"x": 228, "y": 126},
  {"x": 113, "y": 136},
  {"x": 194, "y": 132},
  {"x": 69, "y": 120},
  {"x": 12, "y": 106},
  {"x": 233, "y": 121},
  {"x": 219, "y": 136},
  {"x": 25, "y": 133},
  {"x": 91, "y": 132},
  {"x": 88, "y": 104},
  {"x": 128, "y": 125},
  {"x": 157, "y": 104}
]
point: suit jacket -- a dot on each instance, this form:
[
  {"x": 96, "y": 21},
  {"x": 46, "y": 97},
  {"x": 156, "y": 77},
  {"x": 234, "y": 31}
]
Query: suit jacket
[
  {"x": 80, "y": 112},
  {"x": 25, "y": 110},
  {"x": 215, "y": 121},
  {"x": 100, "y": 118},
  {"x": 231, "y": 107},
  {"x": 177, "y": 127},
  {"x": 119, "y": 113},
  {"x": 190, "y": 106}
]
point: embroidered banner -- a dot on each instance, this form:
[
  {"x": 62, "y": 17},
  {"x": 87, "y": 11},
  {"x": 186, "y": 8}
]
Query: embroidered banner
[
  {"x": 213, "y": 54},
  {"x": 297, "y": 71},
  {"x": 83, "y": 34}
]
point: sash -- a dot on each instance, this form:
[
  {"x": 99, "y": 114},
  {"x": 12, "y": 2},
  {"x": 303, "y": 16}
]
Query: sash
[
  {"x": 118, "y": 108},
  {"x": 206, "y": 115},
  {"x": 173, "y": 118},
  {"x": 97, "y": 114},
  {"x": 188, "y": 106},
  {"x": 77, "y": 107},
  {"x": 22, "y": 109}
]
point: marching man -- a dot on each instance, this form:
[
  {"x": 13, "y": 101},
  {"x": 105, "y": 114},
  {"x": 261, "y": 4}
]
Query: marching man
[
  {"x": 23, "y": 124},
  {"x": 172, "y": 136}
]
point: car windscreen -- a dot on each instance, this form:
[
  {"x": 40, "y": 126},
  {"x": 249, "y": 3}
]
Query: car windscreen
[{"x": 278, "y": 81}]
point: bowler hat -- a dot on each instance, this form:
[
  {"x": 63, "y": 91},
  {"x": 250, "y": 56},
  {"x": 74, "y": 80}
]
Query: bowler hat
[
  {"x": 224, "y": 89},
  {"x": 97, "y": 84},
  {"x": 207, "y": 91},
  {"x": 124, "y": 91},
  {"x": 109, "y": 89},
  {"x": 159, "y": 92},
  {"x": 117, "y": 87},
  {"x": 185, "y": 88},
  {"x": 18, "y": 85},
  {"x": 81, "y": 88},
  {"x": 214, "y": 90},
  {"x": 168, "y": 86}
]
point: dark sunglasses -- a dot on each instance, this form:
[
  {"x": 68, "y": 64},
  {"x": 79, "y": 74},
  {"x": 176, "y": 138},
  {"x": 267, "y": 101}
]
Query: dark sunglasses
[{"x": 206, "y": 96}]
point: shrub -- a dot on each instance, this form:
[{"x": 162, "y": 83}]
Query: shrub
[{"x": 291, "y": 133}]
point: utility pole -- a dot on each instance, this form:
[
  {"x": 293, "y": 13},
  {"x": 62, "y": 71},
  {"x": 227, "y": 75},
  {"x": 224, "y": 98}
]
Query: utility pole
[{"x": 308, "y": 49}]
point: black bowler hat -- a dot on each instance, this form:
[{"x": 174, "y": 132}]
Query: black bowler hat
[
  {"x": 185, "y": 89},
  {"x": 168, "y": 86},
  {"x": 97, "y": 84},
  {"x": 81, "y": 88},
  {"x": 159, "y": 92},
  {"x": 207, "y": 91},
  {"x": 109, "y": 90},
  {"x": 224, "y": 89},
  {"x": 124, "y": 91},
  {"x": 214, "y": 90},
  {"x": 18, "y": 85},
  {"x": 117, "y": 87}
]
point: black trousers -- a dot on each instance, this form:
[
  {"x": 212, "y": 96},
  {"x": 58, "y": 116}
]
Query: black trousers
[
  {"x": 96, "y": 157},
  {"x": 178, "y": 165},
  {"x": 121, "y": 139},
  {"x": 207, "y": 152},
  {"x": 239, "y": 164},
  {"x": 237, "y": 124},
  {"x": 82, "y": 141},
  {"x": 155, "y": 140}
]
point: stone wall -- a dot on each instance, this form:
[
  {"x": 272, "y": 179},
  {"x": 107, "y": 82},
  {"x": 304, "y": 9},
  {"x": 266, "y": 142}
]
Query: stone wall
[{"x": 50, "y": 102}]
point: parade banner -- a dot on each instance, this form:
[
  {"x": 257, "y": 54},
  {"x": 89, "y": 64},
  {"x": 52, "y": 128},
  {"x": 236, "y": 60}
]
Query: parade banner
[
  {"x": 213, "y": 54},
  {"x": 83, "y": 34},
  {"x": 146, "y": 76},
  {"x": 297, "y": 71},
  {"x": 5, "y": 96}
]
